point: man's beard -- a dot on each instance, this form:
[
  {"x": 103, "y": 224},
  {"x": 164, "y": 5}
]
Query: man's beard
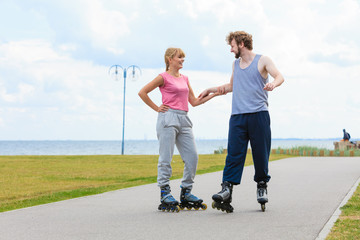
[{"x": 237, "y": 55}]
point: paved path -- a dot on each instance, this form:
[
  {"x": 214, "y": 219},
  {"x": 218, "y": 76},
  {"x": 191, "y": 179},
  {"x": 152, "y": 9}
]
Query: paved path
[{"x": 303, "y": 195}]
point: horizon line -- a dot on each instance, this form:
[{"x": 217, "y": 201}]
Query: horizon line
[{"x": 196, "y": 139}]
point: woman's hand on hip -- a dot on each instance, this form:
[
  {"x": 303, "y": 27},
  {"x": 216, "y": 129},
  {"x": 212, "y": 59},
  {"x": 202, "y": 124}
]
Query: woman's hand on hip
[{"x": 163, "y": 108}]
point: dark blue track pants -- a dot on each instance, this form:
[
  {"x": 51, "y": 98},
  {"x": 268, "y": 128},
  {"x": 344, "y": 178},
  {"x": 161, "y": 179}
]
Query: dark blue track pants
[{"x": 253, "y": 127}]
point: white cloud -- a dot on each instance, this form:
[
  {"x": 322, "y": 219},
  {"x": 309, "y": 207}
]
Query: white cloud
[
  {"x": 58, "y": 80},
  {"x": 116, "y": 51},
  {"x": 190, "y": 10},
  {"x": 7, "y": 97},
  {"x": 68, "y": 47},
  {"x": 106, "y": 26},
  {"x": 349, "y": 11},
  {"x": 27, "y": 51},
  {"x": 206, "y": 40},
  {"x": 224, "y": 11}
]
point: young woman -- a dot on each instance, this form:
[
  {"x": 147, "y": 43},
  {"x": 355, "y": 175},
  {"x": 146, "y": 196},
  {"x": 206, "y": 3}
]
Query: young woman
[{"x": 174, "y": 127}]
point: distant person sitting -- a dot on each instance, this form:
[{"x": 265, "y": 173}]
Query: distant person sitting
[{"x": 346, "y": 137}]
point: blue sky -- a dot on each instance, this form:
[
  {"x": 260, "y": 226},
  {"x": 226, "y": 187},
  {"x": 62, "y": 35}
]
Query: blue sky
[{"x": 55, "y": 56}]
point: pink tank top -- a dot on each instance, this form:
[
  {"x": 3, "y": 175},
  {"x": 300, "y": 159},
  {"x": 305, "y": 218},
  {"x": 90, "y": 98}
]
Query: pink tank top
[{"x": 175, "y": 91}]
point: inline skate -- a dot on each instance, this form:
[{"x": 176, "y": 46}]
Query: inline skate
[
  {"x": 223, "y": 198},
  {"x": 168, "y": 202},
  {"x": 262, "y": 197},
  {"x": 189, "y": 201}
]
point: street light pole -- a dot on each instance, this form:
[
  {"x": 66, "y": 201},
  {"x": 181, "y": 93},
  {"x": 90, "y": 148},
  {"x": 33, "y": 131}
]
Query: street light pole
[{"x": 114, "y": 73}]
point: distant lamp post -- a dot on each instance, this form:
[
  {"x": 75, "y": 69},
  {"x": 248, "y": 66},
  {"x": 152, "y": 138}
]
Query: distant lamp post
[{"x": 117, "y": 72}]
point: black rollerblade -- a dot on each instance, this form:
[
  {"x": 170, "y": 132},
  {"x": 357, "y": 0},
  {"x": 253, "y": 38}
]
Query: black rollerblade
[
  {"x": 168, "y": 202},
  {"x": 187, "y": 200},
  {"x": 223, "y": 198},
  {"x": 262, "y": 197}
]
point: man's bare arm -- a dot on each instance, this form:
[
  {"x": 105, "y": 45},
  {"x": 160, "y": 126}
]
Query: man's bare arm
[
  {"x": 274, "y": 72},
  {"x": 223, "y": 89}
]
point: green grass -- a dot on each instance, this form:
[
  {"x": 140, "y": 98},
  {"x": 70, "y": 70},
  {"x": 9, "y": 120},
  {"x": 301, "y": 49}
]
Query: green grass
[
  {"x": 32, "y": 180},
  {"x": 348, "y": 224},
  {"x": 314, "y": 151}
]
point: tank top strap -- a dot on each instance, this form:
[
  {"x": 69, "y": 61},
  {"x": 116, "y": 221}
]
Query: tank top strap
[{"x": 256, "y": 60}]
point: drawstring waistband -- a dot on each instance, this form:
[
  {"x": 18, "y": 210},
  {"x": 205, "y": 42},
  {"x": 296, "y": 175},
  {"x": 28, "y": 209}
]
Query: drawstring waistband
[{"x": 178, "y": 111}]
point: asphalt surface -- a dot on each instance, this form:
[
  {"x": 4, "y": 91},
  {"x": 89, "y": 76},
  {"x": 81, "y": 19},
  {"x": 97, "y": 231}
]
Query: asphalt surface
[{"x": 304, "y": 193}]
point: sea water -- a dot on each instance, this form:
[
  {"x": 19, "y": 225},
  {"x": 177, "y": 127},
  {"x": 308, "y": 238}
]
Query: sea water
[{"x": 133, "y": 147}]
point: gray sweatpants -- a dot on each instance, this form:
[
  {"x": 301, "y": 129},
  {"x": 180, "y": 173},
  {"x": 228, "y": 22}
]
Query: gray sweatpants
[{"x": 174, "y": 127}]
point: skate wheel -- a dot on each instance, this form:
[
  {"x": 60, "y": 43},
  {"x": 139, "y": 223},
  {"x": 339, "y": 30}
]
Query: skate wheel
[
  {"x": 228, "y": 211},
  {"x": 161, "y": 208},
  {"x": 188, "y": 208},
  {"x": 168, "y": 209},
  {"x": 203, "y": 206},
  {"x": 263, "y": 207},
  {"x": 181, "y": 207},
  {"x": 213, "y": 205},
  {"x": 196, "y": 208},
  {"x": 177, "y": 209}
]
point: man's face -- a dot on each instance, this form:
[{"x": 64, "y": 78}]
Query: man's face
[{"x": 235, "y": 48}]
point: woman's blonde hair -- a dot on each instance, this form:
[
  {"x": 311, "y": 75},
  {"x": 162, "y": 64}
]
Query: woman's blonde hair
[{"x": 170, "y": 53}]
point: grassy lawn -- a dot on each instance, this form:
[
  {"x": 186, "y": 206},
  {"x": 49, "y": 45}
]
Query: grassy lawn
[
  {"x": 348, "y": 224},
  {"x": 32, "y": 180}
]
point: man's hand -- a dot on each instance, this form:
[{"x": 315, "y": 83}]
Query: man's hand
[
  {"x": 269, "y": 86},
  {"x": 221, "y": 90}
]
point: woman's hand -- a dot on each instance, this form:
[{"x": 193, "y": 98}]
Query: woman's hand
[
  {"x": 204, "y": 94},
  {"x": 163, "y": 108}
]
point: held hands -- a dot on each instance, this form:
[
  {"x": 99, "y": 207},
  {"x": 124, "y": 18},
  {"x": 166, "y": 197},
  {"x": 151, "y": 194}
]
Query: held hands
[
  {"x": 216, "y": 92},
  {"x": 221, "y": 90},
  {"x": 204, "y": 94}
]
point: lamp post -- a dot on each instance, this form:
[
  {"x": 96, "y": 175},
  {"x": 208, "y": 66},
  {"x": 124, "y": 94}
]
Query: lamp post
[{"x": 115, "y": 73}]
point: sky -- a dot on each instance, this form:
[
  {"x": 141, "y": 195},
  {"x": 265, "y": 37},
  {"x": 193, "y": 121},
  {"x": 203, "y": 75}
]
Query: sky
[{"x": 55, "y": 58}]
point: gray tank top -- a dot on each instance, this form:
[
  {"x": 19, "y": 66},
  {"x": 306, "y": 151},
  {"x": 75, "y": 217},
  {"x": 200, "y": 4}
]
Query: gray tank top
[{"x": 249, "y": 95}]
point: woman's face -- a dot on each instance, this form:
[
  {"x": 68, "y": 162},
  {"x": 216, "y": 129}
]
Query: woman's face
[{"x": 177, "y": 61}]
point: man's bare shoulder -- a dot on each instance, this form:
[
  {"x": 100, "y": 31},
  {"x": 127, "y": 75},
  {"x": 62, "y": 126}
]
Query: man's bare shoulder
[
  {"x": 264, "y": 62},
  {"x": 264, "y": 59}
]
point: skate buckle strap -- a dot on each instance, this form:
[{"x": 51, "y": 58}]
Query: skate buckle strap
[
  {"x": 261, "y": 192},
  {"x": 191, "y": 197},
  {"x": 223, "y": 190},
  {"x": 168, "y": 196}
]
